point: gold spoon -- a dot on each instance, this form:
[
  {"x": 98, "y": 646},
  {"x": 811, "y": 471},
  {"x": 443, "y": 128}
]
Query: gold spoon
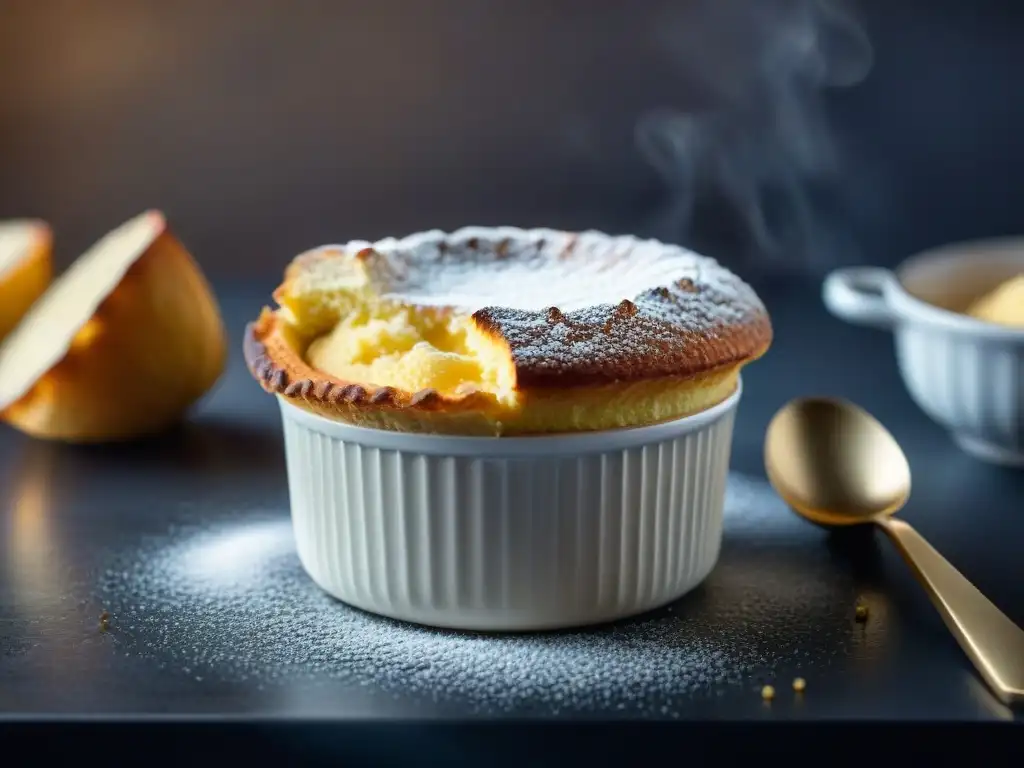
[{"x": 835, "y": 465}]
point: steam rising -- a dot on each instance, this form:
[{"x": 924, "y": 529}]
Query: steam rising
[{"x": 760, "y": 146}]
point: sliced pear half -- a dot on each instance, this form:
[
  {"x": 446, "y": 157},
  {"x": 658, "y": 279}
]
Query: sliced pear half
[
  {"x": 26, "y": 268},
  {"x": 119, "y": 346}
]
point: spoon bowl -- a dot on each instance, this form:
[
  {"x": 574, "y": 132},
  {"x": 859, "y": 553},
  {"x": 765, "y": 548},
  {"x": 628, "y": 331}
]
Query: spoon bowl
[{"x": 836, "y": 465}]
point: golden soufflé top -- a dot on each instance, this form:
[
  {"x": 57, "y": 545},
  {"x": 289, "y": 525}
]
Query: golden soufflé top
[{"x": 498, "y": 331}]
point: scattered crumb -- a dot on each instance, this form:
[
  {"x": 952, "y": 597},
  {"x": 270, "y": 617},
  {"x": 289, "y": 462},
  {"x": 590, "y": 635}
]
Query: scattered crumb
[
  {"x": 861, "y": 612},
  {"x": 104, "y": 621},
  {"x": 768, "y": 693},
  {"x": 799, "y": 685}
]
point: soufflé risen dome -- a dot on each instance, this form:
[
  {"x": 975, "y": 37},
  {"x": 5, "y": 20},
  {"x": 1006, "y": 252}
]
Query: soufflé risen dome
[{"x": 506, "y": 331}]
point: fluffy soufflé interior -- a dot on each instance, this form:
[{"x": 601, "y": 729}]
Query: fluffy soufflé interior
[
  {"x": 412, "y": 349},
  {"x": 355, "y": 335}
]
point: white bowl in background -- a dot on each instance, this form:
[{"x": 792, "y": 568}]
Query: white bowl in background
[
  {"x": 508, "y": 533},
  {"x": 966, "y": 374}
]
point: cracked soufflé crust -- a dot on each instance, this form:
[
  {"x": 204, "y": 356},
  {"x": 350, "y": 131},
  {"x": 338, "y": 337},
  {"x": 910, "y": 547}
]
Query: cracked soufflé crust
[{"x": 600, "y": 331}]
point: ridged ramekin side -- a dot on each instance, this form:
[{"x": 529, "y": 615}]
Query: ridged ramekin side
[
  {"x": 524, "y": 542},
  {"x": 972, "y": 386}
]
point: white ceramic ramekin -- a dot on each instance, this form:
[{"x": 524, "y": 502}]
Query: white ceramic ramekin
[
  {"x": 966, "y": 374},
  {"x": 511, "y": 533}
]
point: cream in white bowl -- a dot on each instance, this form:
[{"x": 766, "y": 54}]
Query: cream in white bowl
[
  {"x": 509, "y": 533},
  {"x": 966, "y": 373}
]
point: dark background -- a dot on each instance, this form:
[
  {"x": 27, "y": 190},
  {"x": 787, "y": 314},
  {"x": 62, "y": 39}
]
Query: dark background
[{"x": 265, "y": 127}]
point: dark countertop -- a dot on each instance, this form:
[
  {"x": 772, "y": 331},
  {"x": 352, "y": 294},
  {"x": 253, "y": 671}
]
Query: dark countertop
[{"x": 184, "y": 540}]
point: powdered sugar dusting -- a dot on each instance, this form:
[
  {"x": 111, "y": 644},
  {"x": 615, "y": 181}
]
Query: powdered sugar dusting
[
  {"x": 231, "y": 601},
  {"x": 585, "y": 307},
  {"x": 534, "y": 269}
]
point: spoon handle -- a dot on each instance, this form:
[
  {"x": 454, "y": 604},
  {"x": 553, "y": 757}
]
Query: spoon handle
[{"x": 993, "y": 642}]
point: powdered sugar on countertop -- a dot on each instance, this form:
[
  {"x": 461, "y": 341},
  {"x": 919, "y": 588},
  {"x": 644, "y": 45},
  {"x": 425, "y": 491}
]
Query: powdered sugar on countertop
[{"x": 231, "y": 601}]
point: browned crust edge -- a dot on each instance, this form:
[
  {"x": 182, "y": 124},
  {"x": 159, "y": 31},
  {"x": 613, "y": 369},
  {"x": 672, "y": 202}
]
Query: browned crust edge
[
  {"x": 680, "y": 354},
  {"x": 280, "y": 370}
]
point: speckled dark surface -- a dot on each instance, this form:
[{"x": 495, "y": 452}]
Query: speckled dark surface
[{"x": 184, "y": 540}]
